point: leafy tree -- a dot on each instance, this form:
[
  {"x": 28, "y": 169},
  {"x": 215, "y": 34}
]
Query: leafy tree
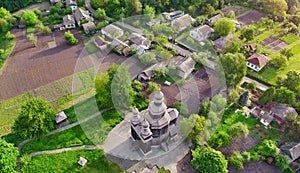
[
  {"x": 224, "y": 26},
  {"x": 234, "y": 68},
  {"x": 267, "y": 148},
  {"x": 121, "y": 90},
  {"x": 219, "y": 139},
  {"x": 152, "y": 87},
  {"x": 36, "y": 118},
  {"x": 231, "y": 15},
  {"x": 161, "y": 71},
  {"x": 101, "y": 25},
  {"x": 218, "y": 103},
  {"x": 133, "y": 6},
  {"x": 233, "y": 96},
  {"x": 287, "y": 53},
  {"x": 102, "y": 94},
  {"x": 192, "y": 127},
  {"x": 70, "y": 38},
  {"x": 137, "y": 86},
  {"x": 33, "y": 39},
  {"x": 162, "y": 39},
  {"x": 281, "y": 161},
  {"x": 233, "y": 47},
  {"x": 201, "y": 57},
  {"x": 292, "y": 81},
  {"x": 100, "y": 13},
  {"x": 8, "y": 157},
  {"x": 4, "y": 26},
  {"x": 239, "y": 130},
  {"x": 267, "y": 96},
  {"x": 279, "y": 61},
  {"x": 247, "y": 32},
  {"x": 30, "y": 18},
  {"x": 208, "y": 160},
  {"x": 292, "y": 4},
  {"x": 4, "y": 13},
  {"x": 163, "y": 170},
  {"x": 204, "y": 107},
  {"x": 284, "y": 95},
  {"x": 149, "y": 12},
  {"x": 148, "y": 58},
  {"x": 181, "y": 107},
  {"x": 275, "y": 7},
  {"x": 244, "y": 99},
  {"x": 251, "y": 86},
  {"x": 247, "y": 156},
  {"x": 45, "y": 30},
  {"x": 236, "y": 160}
]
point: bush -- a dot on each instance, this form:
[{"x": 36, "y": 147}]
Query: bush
[
  {"x": 247, "y": 156},
  {"x": 70, "y": 38},
  {"x": 152, "y": 87},
  {"x": 148, "y": 59},
  {"x": 137, "y": 85},
  {"x": 181, "y": 107},
  {"x": 236, "y": 160}
]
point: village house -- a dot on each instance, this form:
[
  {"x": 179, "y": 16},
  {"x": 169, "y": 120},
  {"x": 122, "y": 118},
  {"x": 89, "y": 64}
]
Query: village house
[
  {"x": 184, "y": 66},
  {"x": 72, "y": 4},
  {"x": 81, "y": 14},
  {"x": 69, "y": 21},
  {"x": 53, "y": 2},
  {"x": 291, "y": 150},
  {"x": 202, "y": 32},
  {"x": 89, "y": 27},
  {"x": 257, "y": 61},
  {"x": 112, "y": 31},
  {"x": 222, "y": 42},
  {"x": 152, "y": 22},
  {"x": 119, "y": 46},
  {"x": 173, "y": 15},
  {"x": 139, "y": 40},
  {"x": 251, "y": 47},
  {"x": 214, "y": 19},
  {"x": 100, "y": 43},
  {"x": 182, "y": 22}
]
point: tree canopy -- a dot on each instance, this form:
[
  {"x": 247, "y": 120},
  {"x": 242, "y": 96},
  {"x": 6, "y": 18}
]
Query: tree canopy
[
  {"x": 8, "y": 157},
  {"x": 224, "y": 26},
  {"x": 208, "y": 160},
  {"x": 30, "y": 18},
  {"x": 36, "y": 118},
  {"x": 70, "y": 38}
]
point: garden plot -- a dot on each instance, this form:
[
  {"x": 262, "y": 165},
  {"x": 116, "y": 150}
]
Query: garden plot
[
  {"x": 237, "y": 10},
  {"x": 274, "y": 44},
  {"x": 251, "y": 17}
]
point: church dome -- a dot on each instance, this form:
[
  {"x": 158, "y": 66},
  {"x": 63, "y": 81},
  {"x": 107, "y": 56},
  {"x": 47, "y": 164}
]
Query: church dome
[{"x": 157, "y": 107}]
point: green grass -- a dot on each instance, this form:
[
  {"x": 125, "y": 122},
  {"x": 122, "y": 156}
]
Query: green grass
[
  {"x": 91, "y": 48},
  {"x": 91, "y": 132},
  {"x": 6, "y": 45},
  {"x": 267, "y": 74},
  {"x": 67, "y": 162},
  {"x": 260, "y": 38},
  {"x": 9, "y": 111},
  {"x": 290, "y": 38},
  {"x": 30, "y": 30}
]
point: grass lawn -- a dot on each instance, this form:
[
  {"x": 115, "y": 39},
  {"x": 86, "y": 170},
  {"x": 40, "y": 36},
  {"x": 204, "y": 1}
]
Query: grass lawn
[
  {"x": 9, "y": 111},
  {"x": 260, "y": 38},
  {"x": 67, "y": 162},
  {"x": 290, "y": 38},
  {"x": 30, "y": 30},
  {"x": 6, "y": 47},
  {"x": 268, "y": 74},
  {"x": 91, "y": 47},
  {"x": 92, "y": 132}
]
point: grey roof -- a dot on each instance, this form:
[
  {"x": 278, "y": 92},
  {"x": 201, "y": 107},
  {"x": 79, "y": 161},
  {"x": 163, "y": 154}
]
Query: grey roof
[
  {"x": 282, "y": 110},
  {"x": 70, "y": 2},
  {"x": 183, "y": 21},
  {"x": 215, "y": 18},
  {"x": 99, "y": 41},
  {"x": 118, "y": 44},
  {"x": 60, "y": 117},
  {"x": 292, "y": 150},
  {"x": 185, "y": 66},
  {"x": 111, "y": 29},
  {"x": 222, "y": 42},
  {"x": 139, "y": 39},
  {"x": 79, "y": 13},
  {"x": 204, "y": 30},
  {"x": 55, "y": 1},
  {"x": 68, "y": 20},
  {"x": 88, "y": 26}
]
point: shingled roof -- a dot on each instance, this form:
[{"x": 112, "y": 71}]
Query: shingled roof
[
  {"x": 259, "y": 60},
  {"x": 292, "y": 150}
]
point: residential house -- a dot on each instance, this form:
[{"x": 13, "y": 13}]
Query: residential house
[
  {"x": 251, "y": 47},
  {"x": 53, "y": 2},
  {"x": 202, "y": 32},
  {"x": 72, "y": 4},
  {"x": 139, "y": 40},
  {"x": 257, "y": 61},
  {"x": 100, "y": 43},
  {"x": 69, "y": 21},
  {"x": 173, "y": 15},
  {"x": 112, "y": 31},
  {"x": 81, "y": 14},
  {"x": 222, "y": 42},
  {"x": 60, "y": 117},
  {"x": 89, "y": 27},
  {"x": 184, "y": 66},
  {"x": 179, "y": 50},
  {"x": 214, "y": 19},
  {"x": 291, "y": 150},
  {"x": 152, "y": 22},
  {"x": 182, "y": 22},
  {"x": 118, "y": 46},
  {"x": 281, "y": 111},
  {"x": 147, "y": 74}
]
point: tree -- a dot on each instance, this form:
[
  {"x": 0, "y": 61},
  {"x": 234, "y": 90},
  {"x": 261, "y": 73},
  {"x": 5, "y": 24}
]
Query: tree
[
  {"x": 234, "y": 68},
  {"x": 275, "y": 7},
  {"x": 100, "y": 13},
  {"x": 218, "y": 103},
  {"x": 149, "y": 12},
  {"x": 281, "y": 161},
  {"x": 251, "y": 86},
  {"x": 267, "y": 148},
  {"x": 102, "y": 94},
  {"x": 33, "y": 39},
  {"x": 224, "y": 26},
  {"x": 204, "y": 107},
  {"x": 70, "y": 38},
  {"x": 152, "y": 87},
  {"x": 233, "y": 47},
  {"x": 148, "y": 58},
  {"x": 208, "y": 160},
  {"x": 233, "y": 96},
  {"x": 292, "y": 81},
  {"x": 137, "y": 86},
  {"x": 4, "y": 26},
  {"x": 267, "y": 96},
  {"x": 244, "y": 99},
  {"x": 36, "y": 118},
  {"x": 8, "y": 157},
  {"x": 29, "y": 18},
  {"x": 160, "y": 71},
  {"x": 192, "y": 127},
  {"x": 121, "y": 89},
  {"x": 181, "y": 107},
  {"x": 236, "y": 160},
  {"x": 247, "y": 32},
  {"x": 133, "y": 6},
  {"x": 45, "y": 30},
  {"x": 239, "y": 130},
  {"x": 287, "y": 53},
  {"x": 219, "y": 139},
  {"x": 284, "y": 95},
  {"x": 4, "y": 13},
  {"x": 231, "y": 15},
  {"x": 279, "y": 61}
]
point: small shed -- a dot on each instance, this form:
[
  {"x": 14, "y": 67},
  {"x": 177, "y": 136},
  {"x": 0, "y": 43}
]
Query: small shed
[
  {"x": 82, "y": 161},
  {"x": 60, "y": 117}
]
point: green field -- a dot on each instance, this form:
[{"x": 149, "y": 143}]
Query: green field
[
  {"x": 67, "y": 162},
  {"x": 91, "y": 47},
  {"x": 92, "y": 132},
  {"x": 9, "y": 111}
]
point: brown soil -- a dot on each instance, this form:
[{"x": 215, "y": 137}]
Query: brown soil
[{"x": 253, "y": 16}]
